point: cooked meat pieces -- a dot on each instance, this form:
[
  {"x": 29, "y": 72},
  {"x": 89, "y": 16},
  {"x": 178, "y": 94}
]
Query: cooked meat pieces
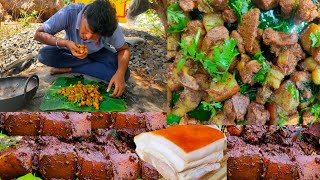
[
  {"x": 236, "y": 107},
  {"x": 254, "y": 134},
  {"x": 266, "y": 4},
  {"x": 92, "y": 164},
  {"x": 299, "y": 78},
  {"x": 308, "y": 167},
  {"x": 278, "y": 40},
  {"x": 289, "y": 58},
  {"x": 22, "y": 123},
  {"x": 240, "y": 44},
  {"x": 100, "y": 120},
  {"x": 248, "y": 29},
  {"x": 187, "y": 5},
  {"x": 249, "y": 70},
  {"x": 263, "y": 94},
  {"x": 244, "y": 162},
  {"x": 155, "y": 120},
  {"x": 234, "y": 141},
  {"x": 52, "y": 160},
  {"x": 16, "y": 161},
  {"x": 148, "y": 172},
  {"x": 213, "y": 37},
  {"x": 129, "y": 120},
  {"x": 307, "y": 11},
  {"x": 311, "y": 134},
  {"x": 257, "y": 114},
  {"x": 286, "y": 7},
  {"x": 235, "y": 130},
  {"x": 229, "y": 16},
  {"x": 219, "y": 5},
  {"x": 125, "y": 166},
  {"x": 278, "y": 166}
]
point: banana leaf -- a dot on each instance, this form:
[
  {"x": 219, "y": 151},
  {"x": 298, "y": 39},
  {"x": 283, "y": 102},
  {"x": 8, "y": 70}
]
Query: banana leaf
[{"x": 52, "y": 101}]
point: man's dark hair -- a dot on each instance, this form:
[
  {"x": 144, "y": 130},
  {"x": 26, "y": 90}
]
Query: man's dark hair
[{"x": 101, "y": 17}]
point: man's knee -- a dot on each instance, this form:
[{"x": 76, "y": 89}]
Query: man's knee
[{"x": 46, "y": 55}]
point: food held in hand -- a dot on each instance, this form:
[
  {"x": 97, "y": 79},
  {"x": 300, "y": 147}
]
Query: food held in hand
[
  {"x": 82, "y": 48},
  {"x": 83, "y": 94},
  {"x": 182, "y": 151}
]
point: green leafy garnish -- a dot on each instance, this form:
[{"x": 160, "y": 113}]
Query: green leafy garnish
[
  {"x": 175, "y": 97},
  {"x": 282, "y": 119},
  {"x": 29, "y": 176},
  {"x": 240, "y": 7},
  {"x": 171, "y": 119},
  {"x": 315, "y": 38},
  {"x": 292, "y": 90},
  {"x": 261, "y": 76},
  {"x": 315, "y": 110},
  {"x": 176, "y": 18},
  {"x": 217, "y": 65},
  {"x": 205, "y": 110}
]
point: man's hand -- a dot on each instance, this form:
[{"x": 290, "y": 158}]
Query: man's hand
[
  {"x": 119, "y": 85},
  {"x": 78, "y": 51}
]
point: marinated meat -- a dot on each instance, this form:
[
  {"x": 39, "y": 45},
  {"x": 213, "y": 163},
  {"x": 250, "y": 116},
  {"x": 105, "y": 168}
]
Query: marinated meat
[
  {"x": 308, "y": 149},
  {"x": 128, "y": 120},
  {"x": 100, "y": 120},
  {"x": 307, "y": 11},
  {"x": 254, "y": 134},
  {"x": 234, "y": 34},
  {"x": 155, "y": 120},
  {"x": 285, "y": 136},
  {"x": 236, "y": 107},
  {"x": 57, "y": 160},
  {"x": 248, "y": 29},
  {"x": 65, "y": 125},
  {"x": 278, "y": 166},
  {"x": 257, "y": 114},
  {"x": 311, "y": 134},
  {"x": 16, "y": 161},
  {"x": 249, "y": 70},
  {"x": 229, "y": 16},
  {"x": 213, "y": 37},
  {"x": 263, "y": 94},
  {"x": 244, "y": 162},
  {"x": 308, "y": 167},
  {"x": 22, "y": 123},
  {"x": 266, "y": 4},
  {"x": 286, "y": 8},
  {"x": 187, "y": 5},
  {"x": 92, "y": 164},
  {"x": 193, "y": 26},
  {"x": 219, "y": 5},
  {"x": 148, "y": 172},
  {"x": 235, "y": 141},
  {"x": 125, "y": 166},
  {"x": 299, "y": 78}
]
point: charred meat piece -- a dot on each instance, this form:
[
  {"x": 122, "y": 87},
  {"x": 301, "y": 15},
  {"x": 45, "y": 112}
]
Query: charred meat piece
[
  {"x": 236, "y": 107},
  {"x": 148, "y": 172},
  {"x": 235, "y": 130},
  {"x": 92, "y": 164},
  {"x": 187, "y": 5},
  {"x": 308, "y": 167},
  {"x": 274, "y": 149},
  {"x": 286, "y": 8},
  {"x": 213, "y": 37},
  {"x": 65, "y": 124},
  {"x": 266, "y": 4},
  {"x": 257, "y": 114},
  {"x": 22, "y": 123},
  {"x": 57, "y": 160},
  {"x": 219, "y": 5},
  {"x": 254, "y": 134},
  {"x": 125, "y": 166},
  {"x": 16, "y": 160},
  {"x": 100, "y": 120},
  {"x": 283, "y": 136},
  {"x": 307, "y": 11},
  {"x": 249, "y": 29},
  {"x": 244, "y": 162}
]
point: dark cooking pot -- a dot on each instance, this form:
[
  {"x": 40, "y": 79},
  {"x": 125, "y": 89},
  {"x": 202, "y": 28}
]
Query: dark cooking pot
[{"x": 16, "y": 91}]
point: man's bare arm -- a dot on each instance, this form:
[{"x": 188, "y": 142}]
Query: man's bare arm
[{"x": 123, "y": 59}]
